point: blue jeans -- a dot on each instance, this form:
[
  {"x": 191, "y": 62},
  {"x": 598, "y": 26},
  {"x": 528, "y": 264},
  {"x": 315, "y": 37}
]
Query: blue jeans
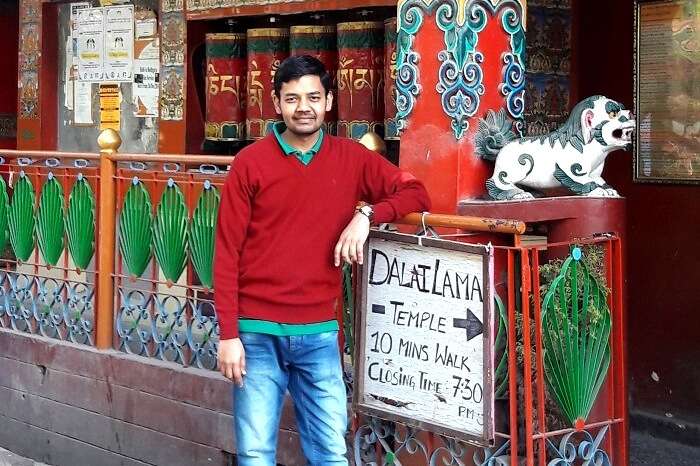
[{"x": 309, "y": 367}]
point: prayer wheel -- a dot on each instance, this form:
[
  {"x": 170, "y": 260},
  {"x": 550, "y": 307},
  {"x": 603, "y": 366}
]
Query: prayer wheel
[
  {"x": 226, "y": 76},
  {"x": 267, "y": 48},
  {"x": 319, "y": 42},
  {"x": 360, "y": 78},
  {"x": 391, "y": 131}
]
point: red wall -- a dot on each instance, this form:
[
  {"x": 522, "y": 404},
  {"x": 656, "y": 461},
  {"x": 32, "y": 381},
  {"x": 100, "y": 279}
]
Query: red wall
[
  {"x": 9, "y": 26},
  {"x": 663, "y": 273}
]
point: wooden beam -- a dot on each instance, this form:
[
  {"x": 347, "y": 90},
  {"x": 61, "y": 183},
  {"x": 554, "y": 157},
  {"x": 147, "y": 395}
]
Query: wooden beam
[{"x": 286, "y": 8}]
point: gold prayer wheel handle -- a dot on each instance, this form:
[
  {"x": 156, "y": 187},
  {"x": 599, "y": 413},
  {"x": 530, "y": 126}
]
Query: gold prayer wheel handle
[{"x": 372, "y": 141}]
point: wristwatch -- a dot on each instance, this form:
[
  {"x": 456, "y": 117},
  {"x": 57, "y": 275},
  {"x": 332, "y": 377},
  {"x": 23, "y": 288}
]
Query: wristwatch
[{"x": 367, "y": 211}]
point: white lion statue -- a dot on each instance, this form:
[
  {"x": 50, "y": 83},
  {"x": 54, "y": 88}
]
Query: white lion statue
[{"x": 572, "y": 156}]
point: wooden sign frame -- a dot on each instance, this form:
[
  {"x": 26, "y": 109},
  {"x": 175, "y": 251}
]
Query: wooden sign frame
[{"x": 487, "y": 439}]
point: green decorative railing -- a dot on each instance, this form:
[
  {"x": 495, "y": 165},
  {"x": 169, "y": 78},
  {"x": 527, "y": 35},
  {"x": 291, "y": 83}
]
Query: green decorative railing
[
  {"x": 47, "y": 242},
  {"x": 80, "y": 223},
  {"x": 21, "y": 218},
  {"x": 136, "y": 229},
  {"x": 576, "y": 327}
]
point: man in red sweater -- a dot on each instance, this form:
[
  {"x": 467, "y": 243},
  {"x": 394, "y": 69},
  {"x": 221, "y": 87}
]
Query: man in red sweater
[{"x": 286, "y": 221}]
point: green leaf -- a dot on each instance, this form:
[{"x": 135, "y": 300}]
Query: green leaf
[
  {"x": 501, "y": 348},
  {"x": 170, "y": 232},
  {"x": 4, "y": 207},
  {"x": 576, "y": 338},
  {"x": 21, "y": 218},
  {"x": 49, "y": 221},
  {"x": 80, "y": 223},
  {"x": 135, "y": 229},
  {"x": 202, "y": 229}
]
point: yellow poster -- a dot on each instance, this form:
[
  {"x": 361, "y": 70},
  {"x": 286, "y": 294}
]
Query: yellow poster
[{"x": 110, "y": 103}]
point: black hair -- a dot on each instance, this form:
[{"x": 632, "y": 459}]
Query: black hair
[{"x": 297, "y": 66}]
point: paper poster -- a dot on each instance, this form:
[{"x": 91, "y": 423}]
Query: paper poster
[
  {"x": 68, "y": 79},
  {"x": 82, "y": 103},
  {"x": 110, "y": 103},
  {"x": 145, "y": 89},
  {"x": 146, "y": 28},
  {"x": 90, "y": 27},
  {"x": 74, "y": 9},
  {"x": 119, "y": 43}
]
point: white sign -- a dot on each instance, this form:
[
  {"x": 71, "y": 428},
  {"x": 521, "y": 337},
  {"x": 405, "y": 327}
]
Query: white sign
[
  {"x": 119, "y": 43},
  {"x": 82, "y": 103},
  {"x": 146, "y": 27},
  {"x": 423, "y": 351},
  {"x": 90, "y": 27}
]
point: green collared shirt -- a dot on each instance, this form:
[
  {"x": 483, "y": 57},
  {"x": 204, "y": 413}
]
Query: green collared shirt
[{"x": 304, "y": 157}]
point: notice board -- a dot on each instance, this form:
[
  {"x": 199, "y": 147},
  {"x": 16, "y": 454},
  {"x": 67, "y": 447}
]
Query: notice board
[{"x": 424, "y": 331}]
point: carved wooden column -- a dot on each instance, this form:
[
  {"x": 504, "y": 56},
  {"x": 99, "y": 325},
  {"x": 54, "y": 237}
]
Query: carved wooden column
[
  {"x": 173, "y": 68},
  {"x": 28, "y": 79},
  {"x": 457, "y": 59}
]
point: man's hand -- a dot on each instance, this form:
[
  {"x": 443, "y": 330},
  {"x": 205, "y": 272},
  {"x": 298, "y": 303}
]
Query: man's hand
[
  {"x": 232, "y": 360},
  {"x": 352, "y": 241}
]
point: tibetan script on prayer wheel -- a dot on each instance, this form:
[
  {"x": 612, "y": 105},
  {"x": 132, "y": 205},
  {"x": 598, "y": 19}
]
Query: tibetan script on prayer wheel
[
  {"x": 267, "y": 48},
  {"x": 226, "y": 76},
  {"x": 390, "y": 128},
  {"x": 360, "y": 78},
  {"x": 319, "y": 42}
]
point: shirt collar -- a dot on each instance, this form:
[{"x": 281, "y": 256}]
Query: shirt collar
[{"x": 279, "y": 127}]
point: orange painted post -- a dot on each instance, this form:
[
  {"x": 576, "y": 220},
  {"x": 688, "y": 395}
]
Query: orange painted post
[{"x": 109, "y": 141}]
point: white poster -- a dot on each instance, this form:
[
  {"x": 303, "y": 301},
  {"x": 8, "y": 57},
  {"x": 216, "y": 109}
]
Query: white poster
[
  {"x": 146, "y": 28},
  {"x": 73, "y": 33},
  {"x": 90, "y": 27},
  {"x": 119, "y": 43},
  {"x": 68, "y": 78},
  {"x": 82, "y": 103},
  {"x": 145, "y": 89}
]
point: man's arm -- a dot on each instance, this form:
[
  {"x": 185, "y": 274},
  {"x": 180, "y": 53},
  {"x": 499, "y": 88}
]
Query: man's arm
[
  {"x": 392, "y": 192},
  {"x": 231, "y": 228}
]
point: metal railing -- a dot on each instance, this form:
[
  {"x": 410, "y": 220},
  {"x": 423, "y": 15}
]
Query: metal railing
[{"x": 115, "y": 250}]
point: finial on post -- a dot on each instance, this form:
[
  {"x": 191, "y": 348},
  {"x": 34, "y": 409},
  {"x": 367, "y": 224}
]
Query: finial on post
[
  {"x": 109, "y": 141},
  {"x": 372, "y": 141}
]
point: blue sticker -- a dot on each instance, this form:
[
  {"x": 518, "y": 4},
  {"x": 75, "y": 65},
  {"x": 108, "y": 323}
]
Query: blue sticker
[{"x": 576, "y": 254}]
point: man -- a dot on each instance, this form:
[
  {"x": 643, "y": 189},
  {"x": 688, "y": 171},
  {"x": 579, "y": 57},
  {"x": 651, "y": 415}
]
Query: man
[{"x": 287, "y": 218}]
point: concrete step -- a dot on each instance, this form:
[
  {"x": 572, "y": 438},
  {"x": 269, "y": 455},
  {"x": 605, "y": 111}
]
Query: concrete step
[
  {"x": 645, "y": 449},
  {"x": 7, "y": 458}
]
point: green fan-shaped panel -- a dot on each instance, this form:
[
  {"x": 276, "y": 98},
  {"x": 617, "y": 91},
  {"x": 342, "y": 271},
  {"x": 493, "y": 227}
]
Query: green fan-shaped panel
[
  {"x": 21, "y": 219},
  {"x": 576, "y": 339},
  {"x": 135, "y": 229},
  {"x": 4, "y": 206},
  {"x": 170, "y": 232},
  {"x": 501, "y": 348},
  {"x": 50, "y": 227},
  {"x": 80, "y": 223},
  {"x": 202, "y": 229}
]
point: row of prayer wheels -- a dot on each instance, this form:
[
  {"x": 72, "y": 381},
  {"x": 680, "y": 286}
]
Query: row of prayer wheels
[{"x": 360, "y": 57}]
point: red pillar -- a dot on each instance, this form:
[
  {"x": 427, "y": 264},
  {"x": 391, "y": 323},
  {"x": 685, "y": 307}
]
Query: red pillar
[{"x": 456, "y": 61}]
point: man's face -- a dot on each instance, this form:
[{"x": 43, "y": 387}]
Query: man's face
[{"x": 303, "y": 104}]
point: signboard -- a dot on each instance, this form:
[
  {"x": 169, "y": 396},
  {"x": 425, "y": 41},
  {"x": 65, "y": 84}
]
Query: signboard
[
  {"x": 90, "y": 27},
  {"x": 110, "y": 104},
  {"x": 424, "y": 335},
  {"x": 119, "y": 43},
  {"x": 667, "y": 96}
]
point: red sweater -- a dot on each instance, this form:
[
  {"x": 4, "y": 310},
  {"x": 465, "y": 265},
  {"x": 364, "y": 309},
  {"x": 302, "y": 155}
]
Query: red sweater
[{"x": 279, "y": 222}]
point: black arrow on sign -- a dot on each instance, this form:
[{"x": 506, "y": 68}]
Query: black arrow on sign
[
  {"x": 378, "y": 309},
  {"x": 471, "y": 323}
]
